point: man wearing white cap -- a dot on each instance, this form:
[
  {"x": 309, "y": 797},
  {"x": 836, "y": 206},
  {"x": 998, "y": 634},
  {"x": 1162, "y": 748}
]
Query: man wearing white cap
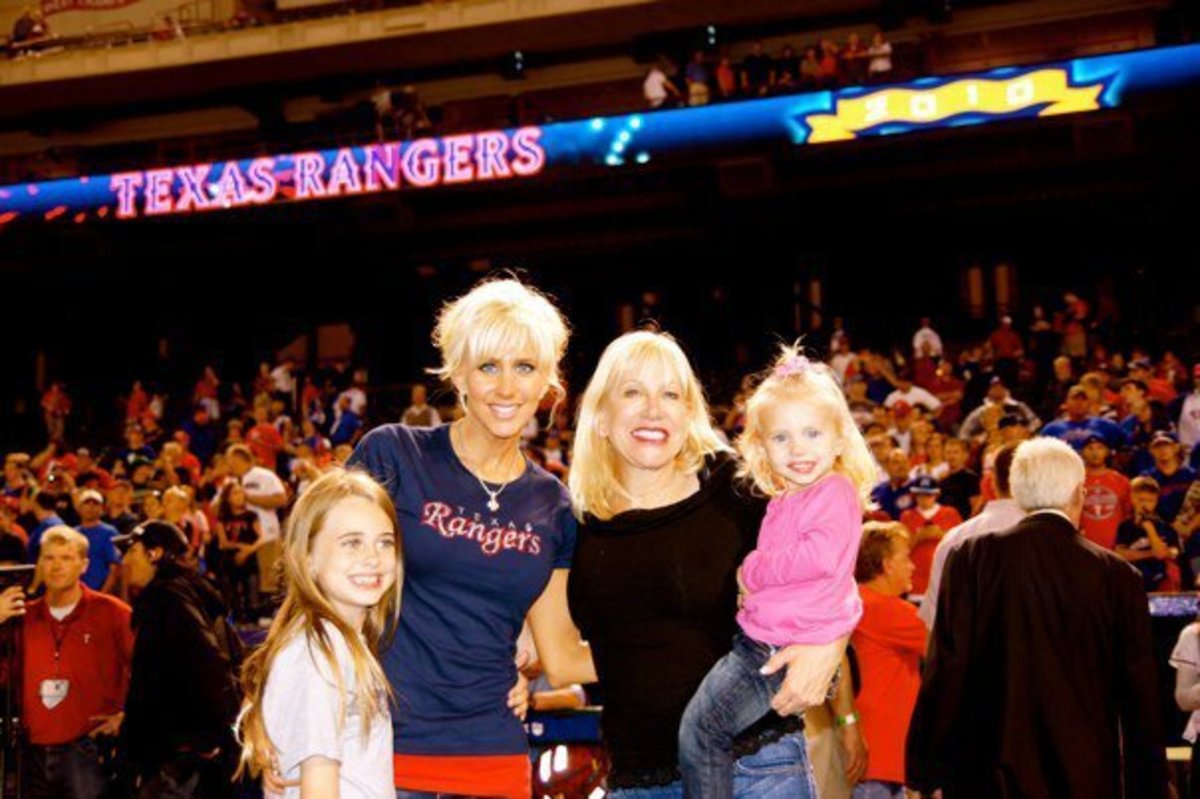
[{"x": 103, "y": 559}]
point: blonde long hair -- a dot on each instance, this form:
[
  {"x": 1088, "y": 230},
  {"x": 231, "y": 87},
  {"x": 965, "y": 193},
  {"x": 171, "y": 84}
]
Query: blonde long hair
[
  {"x": 593, "y": 481},
  {"x": 306, "y": 611},
  {"x": 794, "y": 378}
]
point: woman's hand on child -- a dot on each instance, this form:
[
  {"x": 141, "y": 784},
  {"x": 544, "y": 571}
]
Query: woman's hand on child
[
  {"x": 274, "y": 783},
  {"x": 518, "y": 697},
  {"x": 810, "y": 670}
]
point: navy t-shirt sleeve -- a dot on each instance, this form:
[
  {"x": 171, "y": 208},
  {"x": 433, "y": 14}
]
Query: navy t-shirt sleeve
[{"x": 376, "y": 454}]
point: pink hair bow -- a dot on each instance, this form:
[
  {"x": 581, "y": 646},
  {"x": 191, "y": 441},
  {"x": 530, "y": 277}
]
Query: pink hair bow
[{"x": 796, "y": 365}]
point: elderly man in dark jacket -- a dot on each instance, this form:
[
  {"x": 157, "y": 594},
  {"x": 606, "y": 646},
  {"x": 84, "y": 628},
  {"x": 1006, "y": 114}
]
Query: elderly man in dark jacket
[
  {"x": 183, "y": 691},
  {"x": 1041, "y": 681}
]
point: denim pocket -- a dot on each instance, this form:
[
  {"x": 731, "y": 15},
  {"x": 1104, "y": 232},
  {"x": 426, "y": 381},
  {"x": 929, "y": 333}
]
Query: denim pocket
[{"x": 785, "y": 756}]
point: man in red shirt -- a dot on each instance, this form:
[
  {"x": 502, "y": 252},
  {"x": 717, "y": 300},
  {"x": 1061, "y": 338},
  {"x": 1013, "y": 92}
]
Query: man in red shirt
[
  {"x": 889, "y": 643},
  {"x": 78, "y": 649},
  {"x": 927, "y": 523},
  {"x": 264, "y": 439},
  {"x": 1105, "y": 495}
]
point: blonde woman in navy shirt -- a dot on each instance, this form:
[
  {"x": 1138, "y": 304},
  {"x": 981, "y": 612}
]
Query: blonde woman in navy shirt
[{"x": 488, "y": 539}]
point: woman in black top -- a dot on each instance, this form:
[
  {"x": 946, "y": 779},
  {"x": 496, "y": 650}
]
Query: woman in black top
[{"x": 653, "y": 587}]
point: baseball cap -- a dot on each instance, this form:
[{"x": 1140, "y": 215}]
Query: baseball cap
[
  {"x": 155, "y": 534},
  {"x": 924, "y": 485}
]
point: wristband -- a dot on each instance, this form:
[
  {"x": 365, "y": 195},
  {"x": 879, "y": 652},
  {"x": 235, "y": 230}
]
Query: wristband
[{"x": 848, "y": 720}]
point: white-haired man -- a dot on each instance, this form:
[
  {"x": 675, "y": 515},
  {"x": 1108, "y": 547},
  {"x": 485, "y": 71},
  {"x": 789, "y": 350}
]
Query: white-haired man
[{"x": 1041, "y": 679}]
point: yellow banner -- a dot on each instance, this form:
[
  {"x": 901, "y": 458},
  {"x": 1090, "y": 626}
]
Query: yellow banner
[{"x": 971, "y": 95}]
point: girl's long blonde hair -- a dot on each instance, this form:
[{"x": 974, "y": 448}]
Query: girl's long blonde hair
[
  {"x": 306, "y": 611},
  {"x": 794, "y": 378}
]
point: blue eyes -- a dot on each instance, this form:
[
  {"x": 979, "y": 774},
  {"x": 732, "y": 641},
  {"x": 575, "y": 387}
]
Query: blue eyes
[
  {"x": 522, "y": 368},
  {"x": 810, "y": 433}
]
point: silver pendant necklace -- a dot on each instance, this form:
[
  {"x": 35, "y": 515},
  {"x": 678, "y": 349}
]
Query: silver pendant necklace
[{"x": 493, "y": 503}]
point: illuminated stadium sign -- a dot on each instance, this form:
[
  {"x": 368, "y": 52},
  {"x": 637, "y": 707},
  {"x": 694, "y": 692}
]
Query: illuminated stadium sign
[{"x": 616, "y": 142}]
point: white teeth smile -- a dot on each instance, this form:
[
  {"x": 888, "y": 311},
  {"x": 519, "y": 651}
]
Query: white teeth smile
[
  {"x": 367, "y": 582},
  {"x": 505, "y": 411},
  {"x": 643, "y": 434}
]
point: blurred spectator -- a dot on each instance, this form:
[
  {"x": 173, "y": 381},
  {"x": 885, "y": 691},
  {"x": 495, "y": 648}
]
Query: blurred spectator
[
  {"x": 207, "y": 393},
  {"x": 785, "y": 71},
  {"x": 135, "y": 448},
  {"x": 999, "y": 514},
  {"x": 239, "y": 537},
  {"x": 137, "y": 404},
  {"x": 1105, "y": 495},
  {"x": 756, "y": 72},
  {"x": 810, "y": 69},
  {"x": 998, "y": 396},
  {"x": 56, "y": 406},
  {"x": 1078, "y": 424},
  {"x": 118, "y": 512},
  {"x": 892, "y": 495},
  {"x": 908, "y": 392},
  {"x": 167, "y": 28},
  {"x": 1075, "y": 330},
  {"x": 14, "y": 541},
  {"x": 960, "y": 486},
  {"x": 697, "y": 77},
  {"x": 265, "y": 495},
  {"x": 926, "y": 342},
  {"x": 357, "y": 392},
  {"x": 347, "y": 425},
  {"x": 1148, "y": 541},
  {"x": 1007, "y": 350},
  {"x": 283, "y": 382},
  {"x": 264, "y": 439},
  {"x": 927, "y": 523},
  {"x": 1189, "y": 414},
  {"x": 103, "y": 560},
  {"x": 29, "y": 26},
  {"x": 1157, "y": 388},
  {"x": 726, "y": 78},
  {"x": 829, "y": 67},
  {"x": 854, "y": 61},
  {"x": 202, "y": 432},
  {"x": 44, "y": 508},
  {"x": 889, "y": 643},
  {"x": 657, "y": 88},
  {"x": 385, "y": 112},
  {"x": 419, "y": 413},
  {"x": 412, "y": 120},
  {"x": 901, "y": 429},
  {"x": 879, "y": 69},
  {"x": 1171, "y": 476}
]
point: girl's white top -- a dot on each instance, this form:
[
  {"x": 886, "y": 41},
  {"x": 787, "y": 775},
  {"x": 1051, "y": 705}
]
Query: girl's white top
[{"x": 300, "y": 708}]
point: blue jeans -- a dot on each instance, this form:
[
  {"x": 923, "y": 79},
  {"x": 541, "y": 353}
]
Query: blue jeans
[
  {"x": 878, "y": 790},
  {"x": 779, "y": 770},
  {"x": 72, "y": 771},
  {"x": 732, "y": 697}
]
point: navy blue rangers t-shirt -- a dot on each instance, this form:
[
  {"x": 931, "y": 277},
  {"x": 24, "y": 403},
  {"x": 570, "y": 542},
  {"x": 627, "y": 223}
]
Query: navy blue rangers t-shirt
[{"x": 470, "y": 577}]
